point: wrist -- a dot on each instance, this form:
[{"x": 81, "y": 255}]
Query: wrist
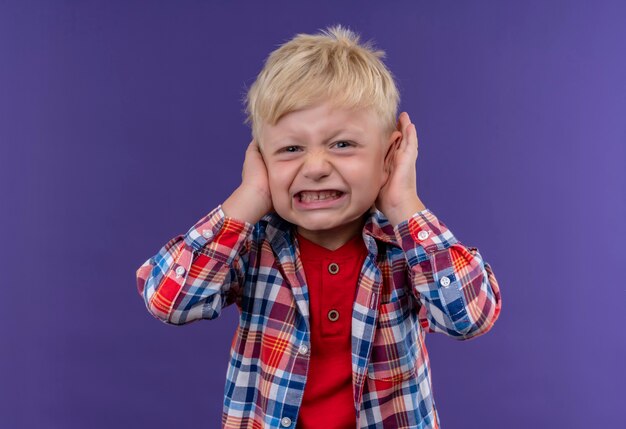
[
  {"x": 404, "y": 211},
  {"x": 242, "y": 205}
]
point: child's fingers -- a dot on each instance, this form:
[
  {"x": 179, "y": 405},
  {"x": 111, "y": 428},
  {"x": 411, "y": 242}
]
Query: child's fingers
[
  {"x": 412, "y": 143},
  {"x": 409, "y": 134},
  {"x": 399, "y": 123},
  {"x": 404, "y": 124},
  {"x": 405, "y": 141},
  {"x": 402, "y": 119}
]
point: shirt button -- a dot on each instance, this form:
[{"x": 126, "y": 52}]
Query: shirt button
[
  {"x": 180, "y": 271},
  {"x": 422, "y": 235},
  {"x": 445, "y": 281},
  {"x": 207, "y": 233},
  {"x": 303, "y": 349},
  {"x": 333, "y": 315},
  {"x": 285, "y": 421},
  {"x": 333, "y": 268}
]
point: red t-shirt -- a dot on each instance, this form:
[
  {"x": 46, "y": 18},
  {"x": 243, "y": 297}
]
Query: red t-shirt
[{"x": 332, "y": 276}]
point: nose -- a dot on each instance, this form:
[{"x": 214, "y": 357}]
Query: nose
[{"x": 316, "y": 166}]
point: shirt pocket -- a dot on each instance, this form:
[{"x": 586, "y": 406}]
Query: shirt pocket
[{"x": 395, "y": 345}]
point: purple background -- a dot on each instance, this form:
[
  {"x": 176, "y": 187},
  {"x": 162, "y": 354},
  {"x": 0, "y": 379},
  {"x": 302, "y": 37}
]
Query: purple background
[{"x": 121, "y": 126}]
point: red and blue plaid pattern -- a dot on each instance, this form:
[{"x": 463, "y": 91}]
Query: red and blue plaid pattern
[{"x": 416, "y": 278}]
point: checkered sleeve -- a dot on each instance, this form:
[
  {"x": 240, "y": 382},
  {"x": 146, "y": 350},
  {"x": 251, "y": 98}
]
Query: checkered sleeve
[
  {"x": 195, "y": 275},
  {"x": 457, "y": 290}
]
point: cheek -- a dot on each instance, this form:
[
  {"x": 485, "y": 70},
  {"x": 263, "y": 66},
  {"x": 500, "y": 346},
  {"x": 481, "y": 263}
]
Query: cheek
[
  {"x": 279, "y": 185},
  {"x": 378, "y": 175},
  {"x": 368, "y": 178},
  {"x": 382, "y": 174},
  {"x": 377, "y": 171}
]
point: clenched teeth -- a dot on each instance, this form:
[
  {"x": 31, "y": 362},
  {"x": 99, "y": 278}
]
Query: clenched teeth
[{"x": 314, "y": 196}]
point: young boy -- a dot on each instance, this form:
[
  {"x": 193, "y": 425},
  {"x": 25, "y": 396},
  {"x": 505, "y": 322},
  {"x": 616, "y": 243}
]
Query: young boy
[{"x": 335, "y": 265}]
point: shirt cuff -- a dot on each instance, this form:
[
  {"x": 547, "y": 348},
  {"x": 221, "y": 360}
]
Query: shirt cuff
[
  {"x": 216, "y": 226},
  {"x": 423, "y": 234}
]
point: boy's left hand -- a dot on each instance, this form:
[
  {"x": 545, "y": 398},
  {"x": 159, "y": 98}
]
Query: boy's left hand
[{"x": 397, "y": 198}]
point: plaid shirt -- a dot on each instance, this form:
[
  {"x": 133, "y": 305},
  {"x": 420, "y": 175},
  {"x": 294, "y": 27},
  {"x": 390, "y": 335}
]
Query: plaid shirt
[{"x": 416, "y": 278}]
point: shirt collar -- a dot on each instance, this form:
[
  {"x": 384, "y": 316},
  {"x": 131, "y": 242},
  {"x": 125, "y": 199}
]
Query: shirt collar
[{"x": 376, "y": 225}]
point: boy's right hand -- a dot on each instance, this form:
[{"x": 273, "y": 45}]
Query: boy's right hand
[{"x": 252, "y": 199}]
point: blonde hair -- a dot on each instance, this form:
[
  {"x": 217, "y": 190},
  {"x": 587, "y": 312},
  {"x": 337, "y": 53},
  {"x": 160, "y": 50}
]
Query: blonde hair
[{"x": 331, "y": 65}]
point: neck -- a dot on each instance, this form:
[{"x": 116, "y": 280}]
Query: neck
[{"x": 333, "y": 239}]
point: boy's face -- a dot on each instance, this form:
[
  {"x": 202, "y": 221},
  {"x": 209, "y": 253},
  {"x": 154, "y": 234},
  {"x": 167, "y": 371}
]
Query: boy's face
[{"x": 324, "y": 148}]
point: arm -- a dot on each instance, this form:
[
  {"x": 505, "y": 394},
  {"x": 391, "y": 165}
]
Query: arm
[
  {"x": 197, "y": 274},
  {"x": 457, "y": 290}
]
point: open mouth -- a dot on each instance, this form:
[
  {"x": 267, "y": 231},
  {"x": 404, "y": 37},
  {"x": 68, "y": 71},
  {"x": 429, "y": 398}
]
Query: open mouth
[{"x": 325, "y": 195}]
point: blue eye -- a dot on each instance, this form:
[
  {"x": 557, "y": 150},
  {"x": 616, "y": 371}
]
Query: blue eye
[
  {"x": 286, "y": 149},
  {"x": 342, "y": 144},
  {"x": 346, "y": 142}
]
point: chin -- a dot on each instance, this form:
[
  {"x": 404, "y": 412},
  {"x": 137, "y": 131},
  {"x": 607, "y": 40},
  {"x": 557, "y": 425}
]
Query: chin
[
  {"x": 314, "y": 224},
  {"x": 320, "y": 227}
]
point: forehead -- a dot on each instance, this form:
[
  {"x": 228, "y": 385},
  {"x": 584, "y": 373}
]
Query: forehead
[{"x": 323, "y": 121}]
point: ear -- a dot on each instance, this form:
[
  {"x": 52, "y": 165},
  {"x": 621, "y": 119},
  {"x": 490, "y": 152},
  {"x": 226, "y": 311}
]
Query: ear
[{"x": 390, "y": 150}]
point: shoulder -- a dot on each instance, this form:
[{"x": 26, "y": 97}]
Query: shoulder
[
  {"x": 272, "y": 228},
  {"x": 378, "y": 226}
]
